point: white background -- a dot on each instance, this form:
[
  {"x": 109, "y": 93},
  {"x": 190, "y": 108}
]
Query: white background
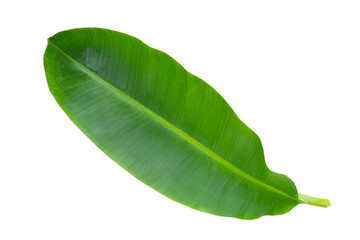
[{"x": 289, "y": 69}]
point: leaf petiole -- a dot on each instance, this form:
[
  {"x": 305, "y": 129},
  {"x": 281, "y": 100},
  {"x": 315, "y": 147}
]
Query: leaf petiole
[{"x": 319, "y": 202}]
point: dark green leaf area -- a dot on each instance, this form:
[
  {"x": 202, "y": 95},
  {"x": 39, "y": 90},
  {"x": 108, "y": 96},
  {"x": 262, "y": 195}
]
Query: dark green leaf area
[{"x": 167, "y": 127}]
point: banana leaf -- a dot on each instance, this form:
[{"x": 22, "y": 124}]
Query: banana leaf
[{"x": 164, "y": 125}]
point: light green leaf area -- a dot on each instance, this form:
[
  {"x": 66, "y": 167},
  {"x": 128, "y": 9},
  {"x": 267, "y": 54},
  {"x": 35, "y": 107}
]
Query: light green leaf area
[{"x": 165, "y": 126}]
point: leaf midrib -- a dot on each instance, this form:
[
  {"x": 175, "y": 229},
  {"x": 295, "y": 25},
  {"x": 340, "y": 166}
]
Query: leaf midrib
[{"x": 170, "y": 126}]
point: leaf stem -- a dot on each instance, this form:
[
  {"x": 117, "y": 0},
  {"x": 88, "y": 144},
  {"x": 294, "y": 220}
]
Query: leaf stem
[{"x": 319, "y": 202}]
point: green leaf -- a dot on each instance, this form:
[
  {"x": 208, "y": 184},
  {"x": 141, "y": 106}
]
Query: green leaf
[{"x": 167, "y": 127}]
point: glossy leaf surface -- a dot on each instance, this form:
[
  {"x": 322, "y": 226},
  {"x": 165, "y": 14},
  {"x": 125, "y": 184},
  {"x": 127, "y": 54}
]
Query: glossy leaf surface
[{"x": 167, "y": 127}]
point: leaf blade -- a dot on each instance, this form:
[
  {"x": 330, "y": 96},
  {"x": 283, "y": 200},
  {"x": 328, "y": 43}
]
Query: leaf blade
[{"x": 226, "y": 202}]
